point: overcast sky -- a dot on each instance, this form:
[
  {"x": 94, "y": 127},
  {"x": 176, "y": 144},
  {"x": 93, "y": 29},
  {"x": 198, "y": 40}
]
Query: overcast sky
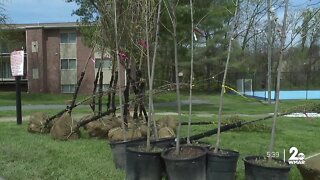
[{"x": 39, "y": 11}]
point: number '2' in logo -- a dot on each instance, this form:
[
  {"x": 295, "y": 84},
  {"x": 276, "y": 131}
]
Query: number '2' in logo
[{"x": 295, "y": 155}]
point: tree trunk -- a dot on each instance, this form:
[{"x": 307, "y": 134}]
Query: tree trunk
[
  {"x": 269, "y": 51},
  {"x": 224, "y": 78},
  {"x": 126, "y": 94},
  {"x": 191, "y": 75},
  {"x": 152, "y": 72},
  {"x": 113, "y": 95},
  {"x": 149, "y": 72},
  {"x": 283, "y": 40},
  {"x": 119, "y": 68},
  {"x": 111, "y": 84}
]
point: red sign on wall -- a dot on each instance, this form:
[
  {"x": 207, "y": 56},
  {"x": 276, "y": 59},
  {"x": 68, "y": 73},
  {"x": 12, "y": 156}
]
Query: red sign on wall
[{"x": 17, "y": 62}]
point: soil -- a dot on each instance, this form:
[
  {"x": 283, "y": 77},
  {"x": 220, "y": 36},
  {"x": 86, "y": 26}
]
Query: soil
[
  {"x": 185, "y": 152},
  {"x": 266, "y": 163}
]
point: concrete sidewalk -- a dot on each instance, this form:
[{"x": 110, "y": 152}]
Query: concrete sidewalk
[
  {"x": 77, "y": 116},
  {"x": 62, "y": 106}
]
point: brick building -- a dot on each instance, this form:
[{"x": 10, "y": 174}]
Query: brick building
[{"x": 55, "y": 57}]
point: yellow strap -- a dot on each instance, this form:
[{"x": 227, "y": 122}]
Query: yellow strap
[{"x": 233, "y": 91}]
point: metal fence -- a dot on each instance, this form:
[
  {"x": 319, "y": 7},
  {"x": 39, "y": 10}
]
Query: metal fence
[{"x": 254, "y": 83}]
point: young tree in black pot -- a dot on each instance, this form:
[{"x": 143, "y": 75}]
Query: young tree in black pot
[
  {"x": 144, "y": 162},
  {"x": 221, "y": 163},
  {"x": 261, "y": 167},
  {"x": 182, "y": 162}
]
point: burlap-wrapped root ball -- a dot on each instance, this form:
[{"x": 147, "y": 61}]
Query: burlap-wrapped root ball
[
  {"x": 143, "y": 129},
  {"x": 101, "y": 127},
  {"x": 139, "y": 125},
  {"x": 166, "y": 132},
  {"x": 113, "y": 121},
  {"x": 63, "y": 128},
  {"x": 88, "y": 125},
  {"x": 167, "y": 121},
  {"x": 117, "y": 134},
  {"x": 172, "y": 123},
  {"x": 36, "y": 123}
]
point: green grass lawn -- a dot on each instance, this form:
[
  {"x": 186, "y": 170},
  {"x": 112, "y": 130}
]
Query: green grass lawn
[
  {"x": 11, "y": 113},
  {"x": 233, "y": 104},
  {"x": 33, "y": 156},
  {"x": 9, "y": 98}
]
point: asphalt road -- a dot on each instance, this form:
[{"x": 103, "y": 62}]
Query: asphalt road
[{"x": 33, "y": 107}]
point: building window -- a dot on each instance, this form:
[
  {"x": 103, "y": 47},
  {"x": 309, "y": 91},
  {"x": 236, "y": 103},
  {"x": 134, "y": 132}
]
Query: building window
[
  {"x": 107, "y": 64},
  {"x": 5, "y": 68},
  {"x": 70, "y": 37},
  {"x": 68, "y": 64},
  {"x": 67, "y": 88},
  {"x": 4, "y": 47}
]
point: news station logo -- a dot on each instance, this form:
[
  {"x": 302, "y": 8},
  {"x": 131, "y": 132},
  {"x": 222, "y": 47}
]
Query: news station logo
[{"x": 295, "y": 156}]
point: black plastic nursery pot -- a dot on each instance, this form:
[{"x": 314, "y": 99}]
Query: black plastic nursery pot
[
  {"x": 144, "y": 165},
  {"x": 119, "y": 151},
  {"x": 222, "y": 165},
  {"x": 254, "y": 171},
  {"x": 163, "y": 143},
  {"x": 185, "y": 168}
]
